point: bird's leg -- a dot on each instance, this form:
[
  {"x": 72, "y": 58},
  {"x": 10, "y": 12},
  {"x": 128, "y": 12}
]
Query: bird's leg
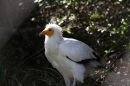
[{"x": 74, "y": 82}]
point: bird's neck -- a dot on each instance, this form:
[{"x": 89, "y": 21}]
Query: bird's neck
[
  {"x": 51, "y": 44},
  {"x": 53, "y": 40}
]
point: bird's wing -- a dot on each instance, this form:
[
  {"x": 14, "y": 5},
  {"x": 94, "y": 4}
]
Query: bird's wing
[{"x": 78, "y": 51}]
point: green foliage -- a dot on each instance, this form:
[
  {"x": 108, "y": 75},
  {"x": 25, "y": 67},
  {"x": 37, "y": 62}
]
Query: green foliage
[
  {"x": 106, "y": 24},
  {"x": 95, "y": 16}
]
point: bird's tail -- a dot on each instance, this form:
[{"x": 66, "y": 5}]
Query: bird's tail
[
  {"x": 98, "y": 64},
  {"x": 95, "y": 69}
]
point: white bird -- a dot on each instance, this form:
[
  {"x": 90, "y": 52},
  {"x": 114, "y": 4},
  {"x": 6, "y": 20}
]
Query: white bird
[{"x": 72, "y": 58}]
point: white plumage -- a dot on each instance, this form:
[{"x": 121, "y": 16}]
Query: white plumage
[{"x": 72, "y": 58}]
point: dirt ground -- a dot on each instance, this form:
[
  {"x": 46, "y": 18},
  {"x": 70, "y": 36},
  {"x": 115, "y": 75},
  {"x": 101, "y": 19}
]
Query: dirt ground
[{"x": 121, "y": 74}]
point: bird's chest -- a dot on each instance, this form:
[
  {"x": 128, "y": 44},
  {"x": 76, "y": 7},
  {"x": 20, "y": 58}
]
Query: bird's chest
[
  {"x": 51, "y": 46},
  {"x": 51, "y": 52},
  {"x": 51, "y": 49},
  {"x": 63, "y": 67}
]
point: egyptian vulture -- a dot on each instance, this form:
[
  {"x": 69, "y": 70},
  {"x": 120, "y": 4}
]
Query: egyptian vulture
[{"x": 72, "y": 58}]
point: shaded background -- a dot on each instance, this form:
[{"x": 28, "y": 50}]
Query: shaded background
[{"x": 103, "y": 25}]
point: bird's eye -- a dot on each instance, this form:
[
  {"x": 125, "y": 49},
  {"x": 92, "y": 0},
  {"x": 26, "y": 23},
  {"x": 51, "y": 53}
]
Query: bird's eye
[{"x": 49, "y": 29}]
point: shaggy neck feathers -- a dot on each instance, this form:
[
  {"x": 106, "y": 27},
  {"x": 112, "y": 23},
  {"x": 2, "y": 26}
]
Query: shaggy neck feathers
[{"x": 53, "y": 39}]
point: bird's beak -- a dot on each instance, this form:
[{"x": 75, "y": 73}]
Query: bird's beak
[
  {"x": 49, "y": 32},
  {"x": 44, "y": 32},
  {"x": 40, "y": 34}
]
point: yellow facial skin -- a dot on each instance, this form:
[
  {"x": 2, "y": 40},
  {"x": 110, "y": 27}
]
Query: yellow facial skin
[{"x": 49, "y": 32}]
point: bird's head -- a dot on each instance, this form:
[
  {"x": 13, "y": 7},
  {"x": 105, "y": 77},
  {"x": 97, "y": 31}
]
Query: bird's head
[{"x": 51, "y": 29}]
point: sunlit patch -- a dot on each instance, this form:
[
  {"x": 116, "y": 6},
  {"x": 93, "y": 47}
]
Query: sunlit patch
[{"x": 20, "y": 4}]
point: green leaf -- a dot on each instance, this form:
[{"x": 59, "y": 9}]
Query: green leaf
[
  {"x": 72, "y": 17},
  {"x": 107, "y": 51},
  {"x": 123, "y": 30},
  {"x": 114, "y": 41},
  {"x": 124, "y": 23},
  {"x": 59, "y": 20},
  {"x": 95, "y": 16}
]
